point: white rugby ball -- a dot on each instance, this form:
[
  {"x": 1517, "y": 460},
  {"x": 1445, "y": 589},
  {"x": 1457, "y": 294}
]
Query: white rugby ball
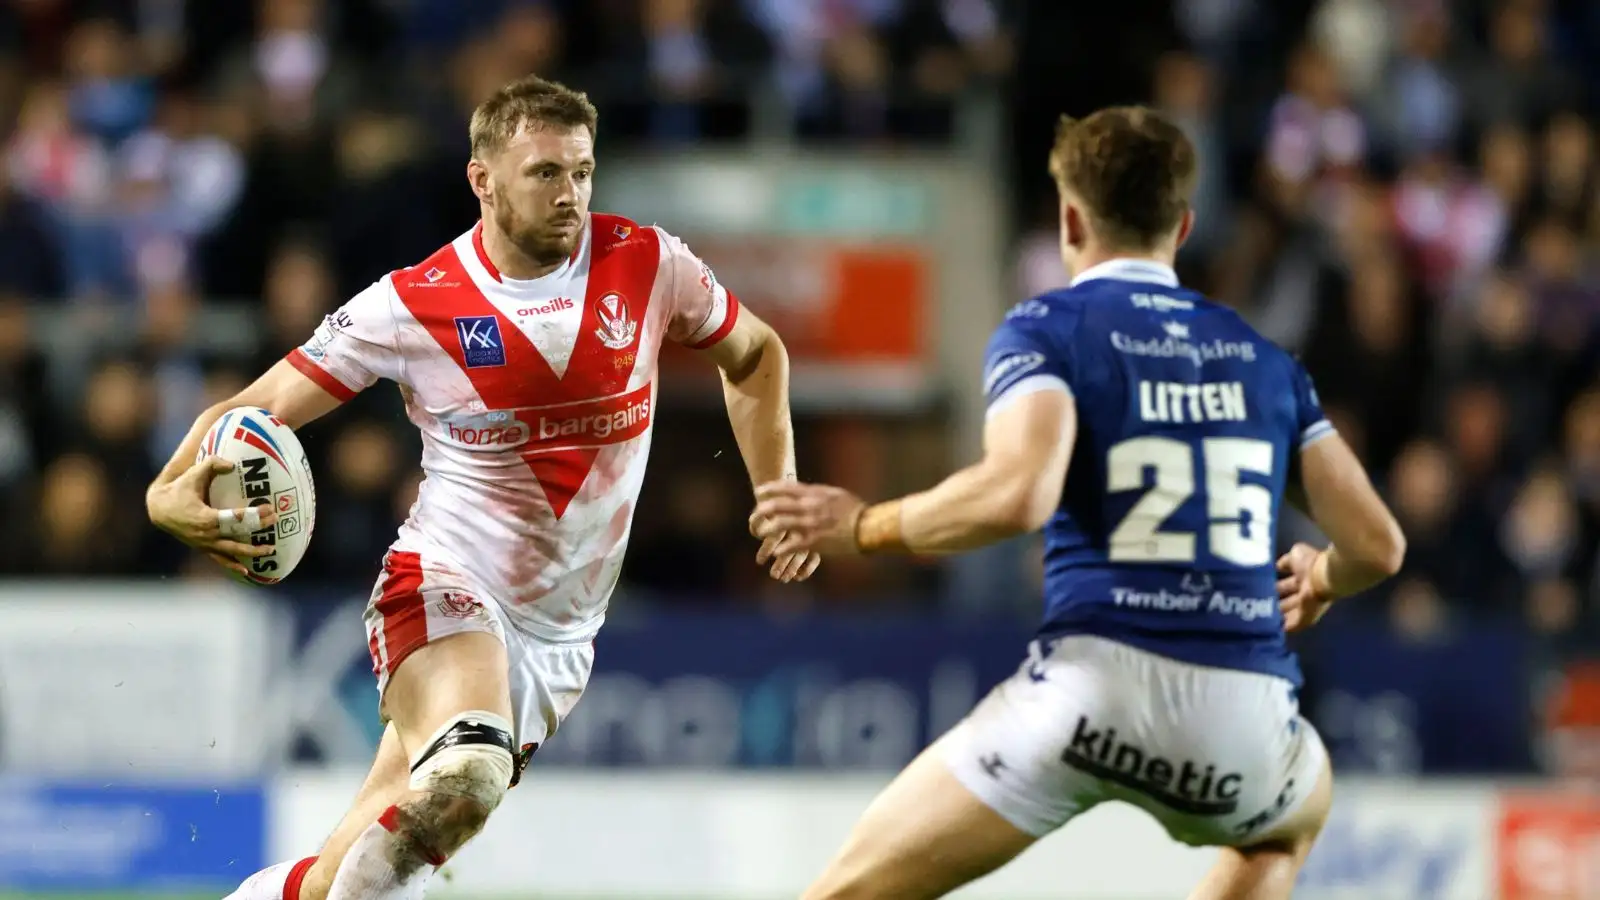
[{"x": 270, "y": 468}]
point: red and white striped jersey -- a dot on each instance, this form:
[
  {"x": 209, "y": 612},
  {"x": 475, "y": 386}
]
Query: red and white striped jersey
[{"x": 535, "y": 400}]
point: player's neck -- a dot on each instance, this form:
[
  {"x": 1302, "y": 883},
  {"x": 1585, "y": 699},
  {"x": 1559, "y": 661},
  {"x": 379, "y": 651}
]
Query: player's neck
[
  {"x": 510, "y": 261},
  {"x": 1095, "y": 255}
]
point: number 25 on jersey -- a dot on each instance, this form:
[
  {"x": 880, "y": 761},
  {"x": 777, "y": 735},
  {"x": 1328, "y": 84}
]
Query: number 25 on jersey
[{"x": 1238, "y": 514}]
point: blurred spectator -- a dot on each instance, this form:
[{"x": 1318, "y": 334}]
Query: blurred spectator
[
  {"x": 1365, "y": 353},
  {"x": 109, "y": 96},
  {"x": 56, "y": 196},
  {"x": 1567, "y": 184},
  {"x": 1315, "y": 137},
  {"x": 689, "y": 550},
  {"x": 78, "y": 532},
  {"x": 1416, "y": 100},
  {"x": 299, "y": 292},
  {"x": 1357, "y": 36},
  {"x": 1540, "y": 533},
  {"x": 355, "y": 503},
  {"x": 1183, "y": 90},
  {"x": 180, "y": 179},
  {"x": 1518, "y": 80}
]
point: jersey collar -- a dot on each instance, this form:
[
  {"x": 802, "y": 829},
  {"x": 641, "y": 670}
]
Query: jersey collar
[{"x": 1147, "y": 270}]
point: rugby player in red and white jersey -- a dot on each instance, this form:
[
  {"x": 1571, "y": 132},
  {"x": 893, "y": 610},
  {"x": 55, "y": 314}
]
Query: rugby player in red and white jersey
[{"x": 526, "y": 352}]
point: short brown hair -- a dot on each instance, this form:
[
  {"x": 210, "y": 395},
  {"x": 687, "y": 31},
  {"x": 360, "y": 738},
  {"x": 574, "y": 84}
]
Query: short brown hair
[
  {"x": 1132, "y": 167},
  {"x": 529, "y": 102}
]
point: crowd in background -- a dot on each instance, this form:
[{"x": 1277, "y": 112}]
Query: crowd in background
[
  {"x": 1415, "y": 213},
  {"x": 288, "y": 152},
  {"x": 1404, "y": 193}
]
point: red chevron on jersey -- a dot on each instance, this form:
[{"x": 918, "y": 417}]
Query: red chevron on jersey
[{"x": 508, "y": 371}]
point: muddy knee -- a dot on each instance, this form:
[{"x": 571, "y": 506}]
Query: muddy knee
[{"x": 461, "y": 778}]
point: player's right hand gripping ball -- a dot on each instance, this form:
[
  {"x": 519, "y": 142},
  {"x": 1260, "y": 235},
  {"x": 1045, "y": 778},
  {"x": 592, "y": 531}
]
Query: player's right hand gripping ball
[{"x": 270, "y": 469}]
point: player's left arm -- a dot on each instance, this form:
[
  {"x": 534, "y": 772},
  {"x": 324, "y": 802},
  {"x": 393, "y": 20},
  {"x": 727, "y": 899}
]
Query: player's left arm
[
  {"x": 1012, "y": 490},
  {"x": 755, "y": 387},
  {"x": 754, "y": 366},
  {"x": 1027, "y": 446}
]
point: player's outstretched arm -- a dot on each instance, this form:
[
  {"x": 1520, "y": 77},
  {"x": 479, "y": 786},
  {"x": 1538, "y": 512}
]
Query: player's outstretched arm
[
  {"x": 1013, "y": 490},
  {"x": 755, "y": 387},
  {"x": 1366, "y": 546},
  {"x": 177, "y": 500}
]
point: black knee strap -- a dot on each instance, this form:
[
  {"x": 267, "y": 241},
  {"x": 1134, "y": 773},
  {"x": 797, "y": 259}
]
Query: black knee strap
[{"x": 468, "y": 732}]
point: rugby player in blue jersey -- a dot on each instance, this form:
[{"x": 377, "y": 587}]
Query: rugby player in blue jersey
[{"x": 1154, "y": 436}]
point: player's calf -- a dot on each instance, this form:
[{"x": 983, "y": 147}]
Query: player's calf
[{"x": 456, "y": 783}]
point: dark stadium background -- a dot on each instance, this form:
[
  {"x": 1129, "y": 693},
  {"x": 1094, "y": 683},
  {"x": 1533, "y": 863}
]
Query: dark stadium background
[{"x": 1404, "y": 193}]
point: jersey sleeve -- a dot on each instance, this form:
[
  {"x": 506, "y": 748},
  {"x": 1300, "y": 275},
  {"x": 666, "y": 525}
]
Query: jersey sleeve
[
  {"x": 354, "y": 346},
  {"x": 1311, "y": 424},
  {"x": 1023, "y": 359},
  {"x": 703, "y": 312}
]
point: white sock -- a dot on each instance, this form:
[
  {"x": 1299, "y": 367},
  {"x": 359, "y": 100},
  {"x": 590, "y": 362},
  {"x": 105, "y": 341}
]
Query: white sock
[
  {"x": 274, "y": 882},
  {"x": 383, "y": 865}
]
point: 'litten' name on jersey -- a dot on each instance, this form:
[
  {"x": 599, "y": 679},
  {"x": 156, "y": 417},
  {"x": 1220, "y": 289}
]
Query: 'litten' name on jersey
[{"x": 1169, "y": 401}]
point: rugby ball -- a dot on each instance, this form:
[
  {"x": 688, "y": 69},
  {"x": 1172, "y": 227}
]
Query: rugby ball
[{"x": 269, "y": 468}]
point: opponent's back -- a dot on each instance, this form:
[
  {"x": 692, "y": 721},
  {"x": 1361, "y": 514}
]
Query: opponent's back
[{"x": 1188, "y": 425}]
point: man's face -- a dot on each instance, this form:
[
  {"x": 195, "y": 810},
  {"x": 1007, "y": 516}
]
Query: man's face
[{"x": 538, "y": 189}]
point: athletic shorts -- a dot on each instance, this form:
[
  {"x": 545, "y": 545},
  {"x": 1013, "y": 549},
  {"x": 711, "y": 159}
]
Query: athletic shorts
[
  {"x": 1217, "y": 756},
  {"x": 414, "y": 603}
]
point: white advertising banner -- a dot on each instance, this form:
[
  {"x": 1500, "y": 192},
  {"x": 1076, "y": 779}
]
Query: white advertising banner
[
  {"x": 574, "y": 835},
  {"x": 136, "y": 682}
]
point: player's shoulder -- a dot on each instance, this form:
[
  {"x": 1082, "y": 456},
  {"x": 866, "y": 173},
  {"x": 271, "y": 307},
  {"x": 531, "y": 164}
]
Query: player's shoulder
[
  {"x": 611, "y": 233},
  {"x": 433, "y": 271},
  {"x": 1051, "y": 310}
]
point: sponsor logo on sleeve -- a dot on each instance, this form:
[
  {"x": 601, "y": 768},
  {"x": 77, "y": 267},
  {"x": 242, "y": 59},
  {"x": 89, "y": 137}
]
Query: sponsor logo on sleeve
[{"x": 1008, "y": 369}]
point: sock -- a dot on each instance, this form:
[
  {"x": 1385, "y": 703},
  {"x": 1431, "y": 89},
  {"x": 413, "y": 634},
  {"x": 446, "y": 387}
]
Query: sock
[
  {"x": 279, "y": 882},
  {"x": 384, "y": 865}
]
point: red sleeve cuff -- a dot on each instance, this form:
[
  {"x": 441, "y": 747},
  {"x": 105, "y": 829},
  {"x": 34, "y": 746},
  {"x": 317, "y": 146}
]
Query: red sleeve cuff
[
  {"x": 311, "y": 370},
  {"x": 728, "y": 321}
]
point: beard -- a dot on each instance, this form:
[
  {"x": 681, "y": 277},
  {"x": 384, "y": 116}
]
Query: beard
[{"x": 537, "y": 240}]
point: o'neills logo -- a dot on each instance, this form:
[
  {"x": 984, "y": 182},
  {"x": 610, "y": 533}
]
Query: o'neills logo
[{"x": 608, "y": 421}]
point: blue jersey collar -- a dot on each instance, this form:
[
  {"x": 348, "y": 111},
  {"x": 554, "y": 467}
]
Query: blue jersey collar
[{"x": 1147, "y": 270}]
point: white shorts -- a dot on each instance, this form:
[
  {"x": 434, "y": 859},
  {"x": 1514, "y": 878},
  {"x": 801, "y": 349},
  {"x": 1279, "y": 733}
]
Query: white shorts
[
  {"x": 414, "y": 603},
  {"x": 1217, "y": 756}
]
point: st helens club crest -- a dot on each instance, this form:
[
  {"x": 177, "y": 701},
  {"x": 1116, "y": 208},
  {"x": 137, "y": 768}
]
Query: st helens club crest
[
  {"x": 457, "y": 605},
  {"x": 617, "y": 327}
]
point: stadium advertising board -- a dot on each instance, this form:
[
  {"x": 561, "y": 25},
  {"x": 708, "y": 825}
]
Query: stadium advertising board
[
  {"x": 854, "y": 317},
  {"x": 1387, "y": 705},
  {"x": 138, "y": 681},
  {"x": 93, "y": 836},
  {"x": 693, "y": 691},
  {"x": 705, "y": 836},
  {"x": 864, "y": 265},
  {"x": 1410, "y": 842},
  {"x": 1549, "y": 845}
]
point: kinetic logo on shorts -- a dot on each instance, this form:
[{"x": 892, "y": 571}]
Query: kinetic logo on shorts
[
  {"x": 1185, "y": 786},
  {"x": 610, "y": 420}
]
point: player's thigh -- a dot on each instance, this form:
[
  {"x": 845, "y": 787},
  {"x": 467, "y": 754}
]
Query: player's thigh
[
  {"x": 924, "y": 836},
  {"x": 438, "y": 645},
  {"x": 385, "y": 786},
  {"x": 461, "y": 672}
]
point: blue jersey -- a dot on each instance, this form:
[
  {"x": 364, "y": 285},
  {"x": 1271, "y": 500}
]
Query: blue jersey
[{"x": 1188, "y": 424}]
